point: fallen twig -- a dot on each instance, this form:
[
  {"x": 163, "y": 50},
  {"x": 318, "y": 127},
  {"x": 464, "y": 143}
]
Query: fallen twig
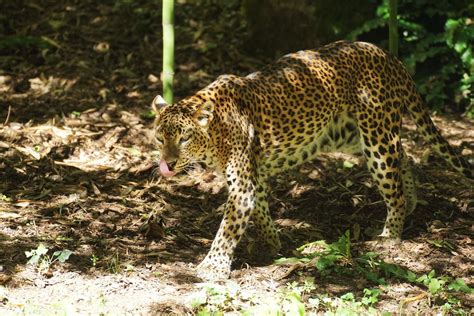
[{"x": 8, "y": 115}]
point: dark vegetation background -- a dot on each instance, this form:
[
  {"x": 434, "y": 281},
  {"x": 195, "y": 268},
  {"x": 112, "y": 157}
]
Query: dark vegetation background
[{"x": 85, "y": 41}]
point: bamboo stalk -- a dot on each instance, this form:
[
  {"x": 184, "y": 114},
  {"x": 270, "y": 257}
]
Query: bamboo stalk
[
  {"x": 168, "y": 50},
  {"x": 393, "y": 28}
]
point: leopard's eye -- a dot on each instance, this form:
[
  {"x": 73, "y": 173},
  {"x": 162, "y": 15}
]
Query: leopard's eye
[
  {"x": 159, "y": 138},
  {"x": 184, "y": 139}
]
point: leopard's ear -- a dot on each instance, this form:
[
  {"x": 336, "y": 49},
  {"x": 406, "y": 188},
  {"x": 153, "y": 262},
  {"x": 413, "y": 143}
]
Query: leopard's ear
[
  {"x": 204, "y": 114},
  {"x": 158, "y": 104}
]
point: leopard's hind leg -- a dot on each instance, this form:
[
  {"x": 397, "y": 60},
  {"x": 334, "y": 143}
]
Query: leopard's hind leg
[
  {"x": 379, "y": 128},
  {"x": 342, "y": 135},
  {"x": 408, "y": 182}
]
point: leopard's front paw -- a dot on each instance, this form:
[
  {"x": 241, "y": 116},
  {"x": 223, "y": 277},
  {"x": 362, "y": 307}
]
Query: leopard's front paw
[{"x": 214, "y": 268}]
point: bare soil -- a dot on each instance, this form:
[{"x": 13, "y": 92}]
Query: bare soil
[{"x": 78, "y": 172}]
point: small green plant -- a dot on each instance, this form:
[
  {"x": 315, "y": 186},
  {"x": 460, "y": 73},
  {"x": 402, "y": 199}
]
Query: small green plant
[
  {"x": 434, "y": 284},
  {"x": 337, "y": 258},
  {"x": 213, "y": 299},
  {"x": 40, "y": 258},
  {"x": 94, "y": 260},
  {"x": 453, "y": 307},
  {"x": 76, "y": 114},
  {"x": 377, "y": 270},
  {"x": 347, "y": 304},
  {"x": 459, "y": 285},
  {"x": 114, "y": 263},
  {"x": 371, "y": 296},
  {"x": 292, "y": 304},
  {"x": 292, "y": 297},
  {"x": 336, "y": 255}
]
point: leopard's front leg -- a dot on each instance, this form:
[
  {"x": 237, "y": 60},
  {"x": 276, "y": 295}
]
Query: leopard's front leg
[{"x": 241, "y": 179}]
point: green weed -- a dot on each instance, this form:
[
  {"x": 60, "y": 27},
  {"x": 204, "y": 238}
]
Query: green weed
[
  {"x": 40, "y": 258},
  {"x": 337, "y": 258},
  {"x": 94, "y": 260},
  {"x": 213, "y": 299}
]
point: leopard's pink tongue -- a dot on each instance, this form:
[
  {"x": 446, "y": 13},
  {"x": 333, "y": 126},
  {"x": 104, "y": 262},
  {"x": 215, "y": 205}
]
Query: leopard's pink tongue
[{"x": 165, "y": 171}]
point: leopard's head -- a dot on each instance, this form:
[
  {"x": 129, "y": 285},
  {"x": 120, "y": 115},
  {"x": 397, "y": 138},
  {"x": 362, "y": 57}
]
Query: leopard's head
[{"x": 181, "y": 132}]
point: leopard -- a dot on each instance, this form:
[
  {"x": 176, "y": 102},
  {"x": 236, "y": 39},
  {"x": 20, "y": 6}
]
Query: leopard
[{"x": 344, "y": 96}]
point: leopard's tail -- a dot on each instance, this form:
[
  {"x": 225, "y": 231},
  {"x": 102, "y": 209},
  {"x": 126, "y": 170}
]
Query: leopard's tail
[{"x": 420, "y": 114}]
